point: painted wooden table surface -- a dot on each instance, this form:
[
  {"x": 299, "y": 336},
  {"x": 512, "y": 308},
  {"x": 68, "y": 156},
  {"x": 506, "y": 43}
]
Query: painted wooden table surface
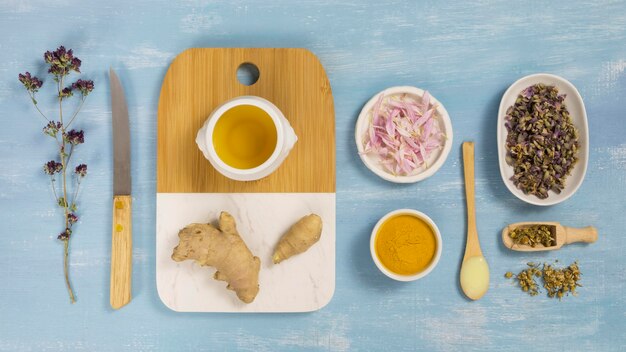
[{"x": 466, "y": 54}]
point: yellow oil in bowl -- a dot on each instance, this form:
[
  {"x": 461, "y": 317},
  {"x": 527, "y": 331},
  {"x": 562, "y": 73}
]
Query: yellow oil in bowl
[{"x": 244, "y": 137}]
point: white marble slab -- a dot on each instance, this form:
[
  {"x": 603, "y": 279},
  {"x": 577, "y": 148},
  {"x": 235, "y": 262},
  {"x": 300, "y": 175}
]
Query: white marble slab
[{"x": 303, "y": 283}]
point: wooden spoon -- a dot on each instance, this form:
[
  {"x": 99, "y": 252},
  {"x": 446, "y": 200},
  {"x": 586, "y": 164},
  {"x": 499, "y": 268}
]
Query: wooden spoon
[
  {"x": 563, "y": 235},
  {"x": 474, "y": 276}
]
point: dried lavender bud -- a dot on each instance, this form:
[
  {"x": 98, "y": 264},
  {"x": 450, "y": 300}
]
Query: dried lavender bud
[
  {"x": 75, "y": 137},
  {"x": 31, "y": 83},
  {"x": 533, "y": 236},
  {"x": 542, "y": 143},
  {"x": 76, "y": 64},
  {"x": 83, "y": 86},
  {"x": 65, "y": 235},
  {"x": 52, "y": 128},
  {"x": 72, "y": 218},
  {"x": 66, "y": 92},
  {"x": 62, "y": 62},
  {"x": 81, "y": 170},
  {"x": 52, "y": 167}
]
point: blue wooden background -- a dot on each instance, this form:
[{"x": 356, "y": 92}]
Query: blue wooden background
[{"x": 466, "y": 54}]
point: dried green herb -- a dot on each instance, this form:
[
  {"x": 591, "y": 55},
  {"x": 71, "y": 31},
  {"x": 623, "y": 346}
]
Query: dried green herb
[
  {"x": 542, "y": 142},
  {"x": 533, "y": 235},
  {"x": 557, "y": 281},
  {"x": 526, "y": 279}
]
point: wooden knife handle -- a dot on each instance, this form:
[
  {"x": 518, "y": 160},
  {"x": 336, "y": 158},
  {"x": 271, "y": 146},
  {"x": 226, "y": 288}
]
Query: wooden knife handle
[{"x": 121, "y": 252}]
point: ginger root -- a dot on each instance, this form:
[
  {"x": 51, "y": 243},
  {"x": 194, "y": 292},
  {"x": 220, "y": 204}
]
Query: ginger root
[
  {"x": 300, "y": 237},
  {"x": 224, "y": 250}
]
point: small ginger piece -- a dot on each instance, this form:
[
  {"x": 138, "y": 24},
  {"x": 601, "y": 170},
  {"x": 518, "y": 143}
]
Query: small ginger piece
[
  {"x": 300, "y": 237},
  {"x": 224, "y": 250}
]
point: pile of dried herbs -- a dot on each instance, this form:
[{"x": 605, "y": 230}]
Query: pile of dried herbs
[
  {"x": 542, "y": 142},
  {"x": 557, "y": 281},
  {"x": 526, "y": 279},
  {"x": 533, "y": 236}
]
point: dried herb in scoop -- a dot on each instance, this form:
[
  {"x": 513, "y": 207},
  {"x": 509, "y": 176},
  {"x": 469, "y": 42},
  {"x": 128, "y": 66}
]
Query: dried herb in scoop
[
  {"x": 533, "y": 236},
  {"x": 542, "y": 143}
]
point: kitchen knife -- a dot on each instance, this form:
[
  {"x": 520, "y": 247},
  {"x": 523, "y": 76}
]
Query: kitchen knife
[{"x": 122, "y": 241}]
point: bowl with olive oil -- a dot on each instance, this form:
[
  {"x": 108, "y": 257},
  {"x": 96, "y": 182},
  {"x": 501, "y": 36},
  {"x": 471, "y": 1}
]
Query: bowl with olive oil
[{"x": 246, "y": 138}]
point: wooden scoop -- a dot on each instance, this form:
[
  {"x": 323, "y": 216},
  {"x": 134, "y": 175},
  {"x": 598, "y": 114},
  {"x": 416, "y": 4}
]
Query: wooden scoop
[{"x": 562, "y": 234}]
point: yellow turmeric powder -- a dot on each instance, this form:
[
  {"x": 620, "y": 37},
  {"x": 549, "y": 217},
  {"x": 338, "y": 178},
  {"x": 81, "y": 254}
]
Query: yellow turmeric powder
[{"x": 405, "y": 244}]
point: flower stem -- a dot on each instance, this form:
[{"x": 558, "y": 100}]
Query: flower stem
[
  {"x": 76, "y": 191},
  {"x": 66, "y": 253},
  {"x": 69, "y": 155},
  {"x": 82, "y": 101},
  {"x": 60, "y": 88},
  {"x": 64, "y": 162},
  {"x": 54, "y": 191},
  {"x": 32, "y": 98},
  {"x": 64, "y": 159}
]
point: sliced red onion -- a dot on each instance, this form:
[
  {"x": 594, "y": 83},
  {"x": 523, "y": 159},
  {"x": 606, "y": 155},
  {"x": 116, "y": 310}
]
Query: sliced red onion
[{"x": 403, "y": 132}]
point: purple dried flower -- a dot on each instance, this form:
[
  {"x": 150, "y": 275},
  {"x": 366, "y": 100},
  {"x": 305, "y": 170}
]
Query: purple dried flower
[
  {"x": 75, "y": 137},
  {"x": 65, "y": 235},
  {"x": 528, "y": 92},
  {"x": 52, "y": 167},
  {"x": 81, "y": 170},
  {"x": 62, "y": 61},
  {"x": 48, "y": 57},
  {"x": 72, "y": 218},
  {"x": 66, "y": 92},
  {"x": 542, "y": 142},
  {"x": 76, "y": 64},
  {"x": 31, "y": 83},
  {"x": 84, "y": 86},
  {"x": 52, "y": 128}
]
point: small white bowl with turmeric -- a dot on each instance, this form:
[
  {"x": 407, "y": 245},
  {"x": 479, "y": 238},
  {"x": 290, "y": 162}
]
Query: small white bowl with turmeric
[{"x": 405, "y": 245}]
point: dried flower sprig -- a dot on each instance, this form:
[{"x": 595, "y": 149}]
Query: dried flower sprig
[{"x": 61, "y": 63}]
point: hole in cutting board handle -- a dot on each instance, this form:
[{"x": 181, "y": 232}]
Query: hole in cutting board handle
[{"x": 247, "y": 73}]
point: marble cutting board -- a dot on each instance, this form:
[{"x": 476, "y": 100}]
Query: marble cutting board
[{"x": 303, "y": 283}]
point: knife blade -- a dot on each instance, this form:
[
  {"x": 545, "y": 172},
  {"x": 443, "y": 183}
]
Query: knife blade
[
  {"x": 121, "y": 138},
  {"x": 121, "y": 241}
]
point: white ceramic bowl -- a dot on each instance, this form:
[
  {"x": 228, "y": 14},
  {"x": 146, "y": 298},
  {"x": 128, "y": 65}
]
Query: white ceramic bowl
[
  {"x": 391, "y": 274},
  {"x": 436, "y": 159},
  {"x": 286, "y": 138},
  {"x": 576, "y": 108}
]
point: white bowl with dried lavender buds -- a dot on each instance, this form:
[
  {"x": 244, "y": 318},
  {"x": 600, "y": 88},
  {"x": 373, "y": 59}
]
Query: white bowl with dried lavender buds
[
  {"x": 403, "y": 134},
  {"x": 543, "y": 139}
]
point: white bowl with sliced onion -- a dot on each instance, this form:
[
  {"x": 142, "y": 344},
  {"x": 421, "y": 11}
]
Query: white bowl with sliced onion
[{"x": 403, "y": 134}]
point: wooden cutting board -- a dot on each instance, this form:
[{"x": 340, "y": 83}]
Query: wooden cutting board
[
  {"x": 190, "y": 190},
  {"x": 199, "y": 80}
]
